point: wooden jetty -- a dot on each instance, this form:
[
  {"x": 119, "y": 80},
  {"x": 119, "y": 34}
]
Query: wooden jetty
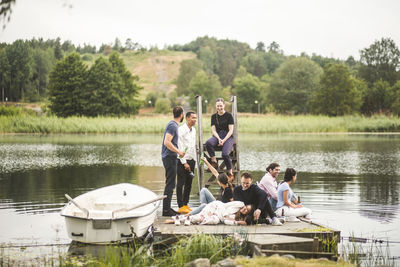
[{"x": 300, "y": 239}]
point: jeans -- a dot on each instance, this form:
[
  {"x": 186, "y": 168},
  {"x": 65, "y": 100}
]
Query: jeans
[
  {"x": 184, "y": 183},
  {"x": 205, "y": 198},
  {"x": 226, "y": 148},
  {"x": 169, "y": 163}
]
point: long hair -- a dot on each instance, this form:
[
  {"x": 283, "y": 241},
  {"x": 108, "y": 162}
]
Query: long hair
[{"x": 245, "y": 217}]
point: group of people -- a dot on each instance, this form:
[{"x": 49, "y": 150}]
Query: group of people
[{"x": 247, "y": 203}]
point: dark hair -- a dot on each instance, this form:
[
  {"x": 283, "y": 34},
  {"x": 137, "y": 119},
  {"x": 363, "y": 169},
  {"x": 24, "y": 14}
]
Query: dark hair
[
  {"x": 246, "y": 175},
  {"x": 245, "y": 217},
  {"x": 177, "y": 111},
  {"x": 223, "y": 178},
  {"x": 272, "y": 166},
  {"x": 289, "y": 173},
  {"x": 220, "y": 100},
  {"x": 189, "y": 113}
]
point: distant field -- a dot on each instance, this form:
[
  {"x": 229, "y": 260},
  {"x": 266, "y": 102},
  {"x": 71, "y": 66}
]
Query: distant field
[
  {"x": 25, "y": 123},
  {"x": 157, "y": 70}
]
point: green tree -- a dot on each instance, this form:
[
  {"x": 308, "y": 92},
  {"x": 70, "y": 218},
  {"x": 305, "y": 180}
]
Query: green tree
[
  {"x": 293, "y": 84},
  {"x": 395, "y": 108},
  {"x": 260, "y": 47},
  {"x": 19, "y": 57},
  {"x": 377, "y": 98},
  {"x": 255, "y": 63},
  {"x": 4, "y": 75},
  {"x": 247, "y": 89},
  {"x": 380, "y": 61},
  {"x": 337, "y": 93},
  {"x": 101, "y": 96},
  {"x": 208, "y": 86},
  {"x": 43, "y": 61},
  {"x": 67, "y": 86},
  {"x": 188, "y": 70},
  {"x": 163, "y": 105},
  {"x": 128, "y": 91}
]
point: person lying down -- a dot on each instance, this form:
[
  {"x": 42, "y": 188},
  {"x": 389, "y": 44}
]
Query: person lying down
[{"x": 230, "y": 213}]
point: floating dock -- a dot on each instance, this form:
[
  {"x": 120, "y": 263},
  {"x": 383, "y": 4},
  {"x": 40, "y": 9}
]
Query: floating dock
[{"x": 300, "y": 239}]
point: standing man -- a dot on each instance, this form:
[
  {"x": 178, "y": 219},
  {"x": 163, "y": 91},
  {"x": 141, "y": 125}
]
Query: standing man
[
  {"x": 169, "y": 153},
  {"x": 269, "y": 185},
  {"x": 187, "y": 143},
  {"x": 251, "y": 194}
]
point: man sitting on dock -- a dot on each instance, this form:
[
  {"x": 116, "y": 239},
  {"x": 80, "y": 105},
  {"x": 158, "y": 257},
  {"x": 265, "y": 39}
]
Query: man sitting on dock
[
  {"x": 251, "y": 194},
  {"x": 269, "y": 185}
]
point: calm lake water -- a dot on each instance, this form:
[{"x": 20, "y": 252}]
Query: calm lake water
[{"x": 350, "y": 181}]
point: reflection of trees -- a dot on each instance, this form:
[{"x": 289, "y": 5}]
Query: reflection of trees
[
  {"x": 44, "y": 189},
  {"x": 376, "y": 194}
]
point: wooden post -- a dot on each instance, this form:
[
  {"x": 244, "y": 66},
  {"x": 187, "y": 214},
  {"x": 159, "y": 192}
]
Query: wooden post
[
  {"x": 200, "y": 167},
  {"x": 235, "y": 136}
]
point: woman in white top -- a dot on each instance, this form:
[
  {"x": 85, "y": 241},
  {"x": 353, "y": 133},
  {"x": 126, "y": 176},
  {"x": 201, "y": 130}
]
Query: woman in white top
[{"x": 286, "y": 206}]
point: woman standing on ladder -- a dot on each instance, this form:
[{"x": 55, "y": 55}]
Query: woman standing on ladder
[{"x": 222, "y": 129}]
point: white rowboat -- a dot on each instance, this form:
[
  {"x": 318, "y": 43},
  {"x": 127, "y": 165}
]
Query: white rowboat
[{"x": 115, "y": 213}]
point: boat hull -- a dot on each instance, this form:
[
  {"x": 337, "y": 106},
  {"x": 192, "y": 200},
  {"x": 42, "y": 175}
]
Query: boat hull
[{"x": 106, "y": 215}]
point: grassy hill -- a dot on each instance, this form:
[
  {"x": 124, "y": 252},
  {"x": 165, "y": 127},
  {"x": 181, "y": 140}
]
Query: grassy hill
[{"x": 157, "y": 70}]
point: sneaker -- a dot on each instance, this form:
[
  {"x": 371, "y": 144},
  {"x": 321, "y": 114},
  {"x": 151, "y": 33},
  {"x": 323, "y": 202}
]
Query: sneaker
[
  {"x": 184, "y": 209},
  {"x": 292, "y": 219},
  {"x": 276, "y": 222},
  {"x": 169, "y": 212},
  {"x": 187, "y": 221},
  {"x": 177, "y": 220}
]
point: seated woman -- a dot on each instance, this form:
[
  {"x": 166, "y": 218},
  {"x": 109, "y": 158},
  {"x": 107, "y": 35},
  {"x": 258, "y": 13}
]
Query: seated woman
[
  {"x": 224, "y": 181},
  {"x": 285, "y": 206},
  {"x": 231, "y": 213},
  {"x": 222, "y": 129}
]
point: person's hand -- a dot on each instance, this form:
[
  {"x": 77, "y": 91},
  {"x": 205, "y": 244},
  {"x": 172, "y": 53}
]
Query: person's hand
[
  {"x": 220, "y": 143},
  {"x": 204, "y": 159},
  {"x": 256, "y": 214},
  {"x": 187, "y": 167},
  {"x": 181, "y": 153}
]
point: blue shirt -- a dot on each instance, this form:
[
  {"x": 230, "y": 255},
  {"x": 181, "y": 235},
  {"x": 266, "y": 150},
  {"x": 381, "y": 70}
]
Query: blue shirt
[
  {"x": 282, "y": 188},
  {"x": 172, "y": 129}
]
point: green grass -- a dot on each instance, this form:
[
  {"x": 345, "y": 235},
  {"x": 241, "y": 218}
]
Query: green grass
[
  {"x": 276, "y": 261},
  {"x": 28, "y": 123}
]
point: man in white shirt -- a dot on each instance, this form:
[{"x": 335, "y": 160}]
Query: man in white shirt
[
  {"x": 186, "y": 164},
  {"x": 269, "y": 185}
]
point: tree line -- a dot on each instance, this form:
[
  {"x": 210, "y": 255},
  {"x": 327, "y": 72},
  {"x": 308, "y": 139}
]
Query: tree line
[
  {"x": 264, "y": 78},
  {"x": 267, "y": 80}
]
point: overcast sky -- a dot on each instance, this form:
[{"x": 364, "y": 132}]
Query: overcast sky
[{"x": 337, "y": 28}]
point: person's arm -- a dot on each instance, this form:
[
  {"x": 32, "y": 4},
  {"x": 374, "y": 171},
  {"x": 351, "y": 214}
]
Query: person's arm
[
  {"x": 170, "y": 146},
  {"x": 288, "y": 202},
  {"x": 237, "y": 196},
  {"x": 210, "y": 167},
  {"x": 271, "y": 189},
  {"x": 214, "y": 132}
]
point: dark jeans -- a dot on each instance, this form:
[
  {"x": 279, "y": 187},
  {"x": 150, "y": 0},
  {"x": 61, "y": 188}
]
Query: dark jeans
[
  {"x": 268, "y": 211},
  {"x": 226, "y": 148},
  {"x": 169, "y": 163},
  {"x": 184, "y": 181}
]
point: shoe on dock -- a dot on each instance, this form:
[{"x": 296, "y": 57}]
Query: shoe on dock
[{"x": 276, "y": 222}]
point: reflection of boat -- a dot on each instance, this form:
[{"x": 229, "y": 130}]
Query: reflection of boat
[{"x": 115, "y": 213}]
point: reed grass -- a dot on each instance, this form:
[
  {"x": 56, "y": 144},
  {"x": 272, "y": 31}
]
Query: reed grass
[
  {"x": 370, "y": 254},
  {"x": 28, "y": 123}
]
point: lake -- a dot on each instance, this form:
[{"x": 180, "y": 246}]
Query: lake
[{"x": 350, "y": 181}]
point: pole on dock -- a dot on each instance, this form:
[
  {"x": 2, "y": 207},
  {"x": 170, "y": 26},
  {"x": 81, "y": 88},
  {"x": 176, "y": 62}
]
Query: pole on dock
[
  {"x": 235, "y": 136},
  {"x": 200, "y": 169}
]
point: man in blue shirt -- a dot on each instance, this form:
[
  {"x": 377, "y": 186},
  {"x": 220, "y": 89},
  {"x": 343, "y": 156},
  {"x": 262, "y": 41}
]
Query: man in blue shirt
[{"x": 169, "y": 153}]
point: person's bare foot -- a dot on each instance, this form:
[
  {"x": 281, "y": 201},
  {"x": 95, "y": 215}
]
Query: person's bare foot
[{"x": 169, "y": 221}]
